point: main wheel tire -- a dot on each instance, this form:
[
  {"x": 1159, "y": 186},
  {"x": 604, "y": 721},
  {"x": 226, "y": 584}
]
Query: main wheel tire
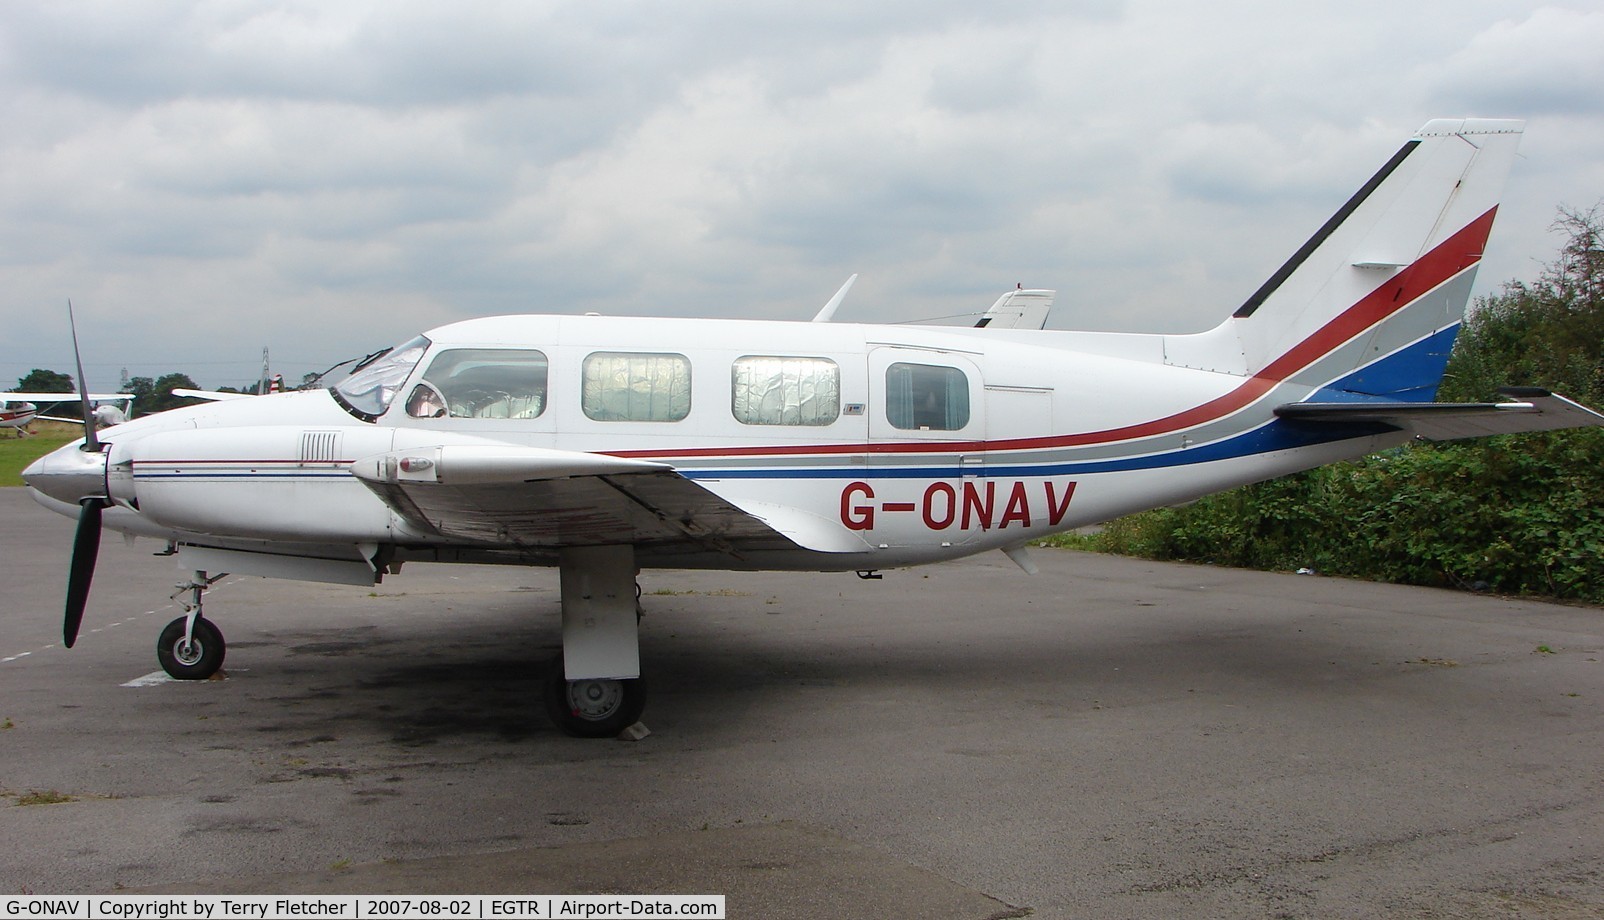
[
  {"x": 196, "y": 660},
  {"x": 592, "y": 708}
]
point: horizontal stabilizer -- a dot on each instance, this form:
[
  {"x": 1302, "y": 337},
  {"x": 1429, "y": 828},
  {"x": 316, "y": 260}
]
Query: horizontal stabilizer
[{"x": 1535, "y": 410}]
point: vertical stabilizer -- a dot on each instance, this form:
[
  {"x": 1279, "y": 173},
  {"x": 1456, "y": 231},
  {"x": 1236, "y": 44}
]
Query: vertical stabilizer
[{"x": 1369, "y": 306}]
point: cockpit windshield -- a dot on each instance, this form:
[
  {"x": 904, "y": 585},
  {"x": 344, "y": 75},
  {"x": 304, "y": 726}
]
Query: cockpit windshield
[{"x": 368, "y": 392}]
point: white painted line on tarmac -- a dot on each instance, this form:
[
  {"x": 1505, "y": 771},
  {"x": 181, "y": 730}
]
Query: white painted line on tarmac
[
  {"x": 151, "y": 680},
  {"x": 222, "y": 584}
]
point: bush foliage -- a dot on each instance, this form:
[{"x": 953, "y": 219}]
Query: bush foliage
[{"x": 1517, "y": 514}]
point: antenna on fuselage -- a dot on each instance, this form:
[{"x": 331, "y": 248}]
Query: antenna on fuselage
[{"x": 829, "y": 308}]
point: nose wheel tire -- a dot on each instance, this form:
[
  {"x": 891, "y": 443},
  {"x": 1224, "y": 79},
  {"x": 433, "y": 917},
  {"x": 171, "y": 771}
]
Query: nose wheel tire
[
  {"x": 196, "y": 659},
  {"x": 592, "y": 708}
]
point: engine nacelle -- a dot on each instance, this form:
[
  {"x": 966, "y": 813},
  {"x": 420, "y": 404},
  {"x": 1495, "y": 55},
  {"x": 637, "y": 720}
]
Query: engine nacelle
[{"x": 270, "y": 482}]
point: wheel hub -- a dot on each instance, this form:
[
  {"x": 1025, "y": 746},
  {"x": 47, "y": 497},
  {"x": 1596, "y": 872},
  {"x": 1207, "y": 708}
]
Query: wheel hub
[
  {"x": 189, "y": 653},
  {"x": 595, "y": 699}
]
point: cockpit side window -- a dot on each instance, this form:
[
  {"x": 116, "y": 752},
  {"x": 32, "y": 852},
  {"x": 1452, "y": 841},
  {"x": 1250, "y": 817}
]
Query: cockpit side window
[
  {"x": 482, "y": 383},
  {"x": 368, "y": 392}
]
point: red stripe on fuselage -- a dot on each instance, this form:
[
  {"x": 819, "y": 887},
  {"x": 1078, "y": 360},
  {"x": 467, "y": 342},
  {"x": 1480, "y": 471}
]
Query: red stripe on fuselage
[{"x": 1452, "y": 256}]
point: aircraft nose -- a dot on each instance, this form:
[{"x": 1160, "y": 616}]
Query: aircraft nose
[{"x": 68, "y": 474}]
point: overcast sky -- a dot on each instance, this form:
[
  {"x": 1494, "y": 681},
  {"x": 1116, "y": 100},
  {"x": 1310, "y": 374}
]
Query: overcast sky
[{"x": 325, "y": 178}]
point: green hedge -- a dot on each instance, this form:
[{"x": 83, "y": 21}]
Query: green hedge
[{"x": 1519, "y": 514}]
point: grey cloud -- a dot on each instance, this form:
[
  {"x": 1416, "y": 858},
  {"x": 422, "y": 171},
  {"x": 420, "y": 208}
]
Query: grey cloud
[
  {"x": 369, "y": 167},
  {"x": 1548, "y": 63}
]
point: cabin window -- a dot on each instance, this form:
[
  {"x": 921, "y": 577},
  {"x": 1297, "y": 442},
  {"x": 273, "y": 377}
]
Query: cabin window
[
  {"x": 628, "y": 387},
  {"x": 482, "y": 383},
  {"x": 372, "y": 386},
  {"x": 785, "y": 391},
  {"x": 926, "y": 397}
]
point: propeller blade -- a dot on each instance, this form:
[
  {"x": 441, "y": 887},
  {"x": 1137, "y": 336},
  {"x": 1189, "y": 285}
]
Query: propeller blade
[
  {"x": 91, "y": 439},
  {"x": 85, "y": 550}
]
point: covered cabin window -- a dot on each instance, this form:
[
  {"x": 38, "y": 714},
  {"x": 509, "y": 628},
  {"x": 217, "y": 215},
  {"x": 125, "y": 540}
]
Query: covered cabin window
[
  {"x": 482, "y": 383},
  {"x": 785, "y": 391},
  {"x": 628, "y": 387},
  {"x": 926, "y": 397}
]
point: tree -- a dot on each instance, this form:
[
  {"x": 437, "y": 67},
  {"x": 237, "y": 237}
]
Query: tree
[
  {"x": 43, "y": 381},
  {"x": 157, "y": 395},
  {"x": 1549, "y": 333}
]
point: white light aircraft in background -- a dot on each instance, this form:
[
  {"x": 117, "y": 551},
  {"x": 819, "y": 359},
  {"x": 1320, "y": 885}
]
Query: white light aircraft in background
[
  {"x": 16, "y": 413},
  {"x": 18, "y": 409},
  {"x": 601, "y": 445}
]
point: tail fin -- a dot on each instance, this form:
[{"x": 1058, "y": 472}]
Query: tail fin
[{"x": 1369, "y": 306}]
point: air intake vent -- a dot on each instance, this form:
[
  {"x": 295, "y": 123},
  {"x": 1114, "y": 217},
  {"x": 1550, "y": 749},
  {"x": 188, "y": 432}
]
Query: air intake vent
[{"x": 320, "y": 447}]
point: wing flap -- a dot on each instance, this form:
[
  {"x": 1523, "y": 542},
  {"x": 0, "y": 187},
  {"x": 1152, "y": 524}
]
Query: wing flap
[{"x": 1533, "y": 410}]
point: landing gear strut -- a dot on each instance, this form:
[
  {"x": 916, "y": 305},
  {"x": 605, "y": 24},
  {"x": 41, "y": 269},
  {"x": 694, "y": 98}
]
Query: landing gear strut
[
  {"x": 593, "y": 688},
  {"x": 191, "y": 647}
]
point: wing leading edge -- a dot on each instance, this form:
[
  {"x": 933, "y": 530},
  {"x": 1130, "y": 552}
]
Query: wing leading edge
[{"x": 1532, "y": 410}]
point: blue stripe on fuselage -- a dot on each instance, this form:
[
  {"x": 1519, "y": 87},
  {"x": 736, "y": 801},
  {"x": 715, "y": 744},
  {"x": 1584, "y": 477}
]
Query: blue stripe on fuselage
[{"x": 1275, "y": 435}]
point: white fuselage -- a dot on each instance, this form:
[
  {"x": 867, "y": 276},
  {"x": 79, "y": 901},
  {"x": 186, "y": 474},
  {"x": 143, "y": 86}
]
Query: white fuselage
[
  {"x": 1057, "y": 430},
  {"x": 14, "y": 414}
]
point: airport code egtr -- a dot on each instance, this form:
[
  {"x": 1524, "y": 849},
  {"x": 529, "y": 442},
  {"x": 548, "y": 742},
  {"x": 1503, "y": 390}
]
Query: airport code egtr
[{"x": 358, "y": 907}]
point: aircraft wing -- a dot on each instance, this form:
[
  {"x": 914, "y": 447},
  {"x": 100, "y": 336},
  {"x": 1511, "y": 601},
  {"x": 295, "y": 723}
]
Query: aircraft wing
[
  {"x": 58, "y": 398},
  {"x": 209, "y": 395},
  {"x": 1533, "y": 410},
  {"x": 535, "y": 498}
]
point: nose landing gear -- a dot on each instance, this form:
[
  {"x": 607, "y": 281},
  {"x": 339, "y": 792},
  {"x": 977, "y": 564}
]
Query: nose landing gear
[{"x": 191, "y": 647}]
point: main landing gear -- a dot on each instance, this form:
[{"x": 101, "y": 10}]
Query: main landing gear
[
  {"x": 191, "y": 647},
  {"x": 593, "y": 688},
  {"x": 592, "y": 708}
]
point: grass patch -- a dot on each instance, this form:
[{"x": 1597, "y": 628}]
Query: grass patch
[
  {"x": 719, "y": 592},
  {"x": 50, "y": 797},
  {"x": 16, "y": 453},
  {"x": 1091, "y": 542}
]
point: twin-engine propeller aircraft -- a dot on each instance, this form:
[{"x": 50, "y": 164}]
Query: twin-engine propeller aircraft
[{"x": 602, "y": 445}]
